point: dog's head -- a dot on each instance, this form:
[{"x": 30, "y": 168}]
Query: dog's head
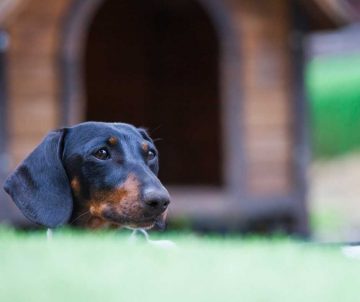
[{"x": 108, "y": 170}]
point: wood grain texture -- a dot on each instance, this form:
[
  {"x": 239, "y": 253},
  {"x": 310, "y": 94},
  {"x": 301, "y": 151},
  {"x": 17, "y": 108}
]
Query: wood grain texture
[{"x": 33, "y": 79}]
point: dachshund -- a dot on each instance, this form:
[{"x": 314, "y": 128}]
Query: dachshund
[{"x": 94, "y": 175}]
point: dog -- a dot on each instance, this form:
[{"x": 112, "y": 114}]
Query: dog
[{"x": 93, "y": 175}]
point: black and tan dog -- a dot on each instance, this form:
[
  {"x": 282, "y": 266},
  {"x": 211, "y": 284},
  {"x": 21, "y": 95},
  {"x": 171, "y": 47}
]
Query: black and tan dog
[{"x": 92, "y": 174}]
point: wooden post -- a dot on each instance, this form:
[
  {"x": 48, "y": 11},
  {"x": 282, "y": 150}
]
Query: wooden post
[
  {"x": 7, "y": 210},
  {"x": 4, "y": 41}
]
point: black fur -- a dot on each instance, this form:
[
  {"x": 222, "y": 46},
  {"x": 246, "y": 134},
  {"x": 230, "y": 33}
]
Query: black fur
[{"x": 40, "y": 186}]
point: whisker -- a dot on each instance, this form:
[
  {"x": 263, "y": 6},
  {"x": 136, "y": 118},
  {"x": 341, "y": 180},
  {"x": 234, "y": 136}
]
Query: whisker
[
  {"x": 157, "y": 139},
  {"x": 87, "y": 212},
  {"x": 155, "y": 129}
]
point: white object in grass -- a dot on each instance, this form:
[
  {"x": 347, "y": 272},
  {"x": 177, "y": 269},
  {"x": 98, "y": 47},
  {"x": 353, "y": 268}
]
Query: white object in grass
[
  {"x": 49, "y": 234},
  {"x": 351, "y": 251},
  {"x": 165, "y": 244}
]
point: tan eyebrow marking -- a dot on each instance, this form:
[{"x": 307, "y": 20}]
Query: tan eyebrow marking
[
  {"x": 145, "y": 146},
  {"x": 112, "y": 140},
  {"x": 75, "y": 185}
]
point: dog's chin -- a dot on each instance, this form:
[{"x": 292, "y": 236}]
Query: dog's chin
[
  {"x": 157, "y": 223},
  {"x": 139, "y": 225},
  {"x": 138, "y": 221}
]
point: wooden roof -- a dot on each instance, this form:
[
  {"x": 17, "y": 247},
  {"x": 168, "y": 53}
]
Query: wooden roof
[
  {"x": 322, "y": 13},
  {"x": 343, "y": 11},
  {"x": 331, "y": 13},
  {"x": 7, "y": 10}
]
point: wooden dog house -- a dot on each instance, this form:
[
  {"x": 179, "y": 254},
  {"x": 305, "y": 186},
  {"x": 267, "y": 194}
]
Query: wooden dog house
[{"x": 218, "y": 81}]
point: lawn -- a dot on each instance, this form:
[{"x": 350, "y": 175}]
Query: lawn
[{"x": 77, "y": 266}]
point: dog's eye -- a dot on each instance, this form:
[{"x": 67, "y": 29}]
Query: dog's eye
[
  {"x": 151, "y": 154},
  {"x": 102, "y": 154}
]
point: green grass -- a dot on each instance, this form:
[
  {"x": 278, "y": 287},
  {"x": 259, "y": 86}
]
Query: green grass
[
  {"x": 333, "y": 86},
  {"x": 105, "y": 267},
  {"x": 327, "y": 221}
]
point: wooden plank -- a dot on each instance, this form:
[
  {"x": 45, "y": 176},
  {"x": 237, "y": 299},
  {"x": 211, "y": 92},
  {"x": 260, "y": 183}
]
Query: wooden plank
[
  {"x": 266, "y": 115},
  {"x": 269, "y": 130},
  {"x": 264, "y": 187},
  {"x": 35, "y": 9},
  {"x": 21, "y": 147},
  {"x": 27, "y": 62},
  {"x": 36, "y": 87},
  {"x": 267, "y": 119},
  {"x": 33, "y": 89},
  {"x": 270, "y": 153},
  {"x": 28, "y": 125},
  {"x": 35, "y": 42},
  {"x": 270, "y": 177}
]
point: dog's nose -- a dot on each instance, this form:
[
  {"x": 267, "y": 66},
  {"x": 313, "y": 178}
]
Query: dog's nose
[{"x": 156, "y": 200}]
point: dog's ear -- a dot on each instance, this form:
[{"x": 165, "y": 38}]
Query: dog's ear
[{"x": 40, "y": 186}]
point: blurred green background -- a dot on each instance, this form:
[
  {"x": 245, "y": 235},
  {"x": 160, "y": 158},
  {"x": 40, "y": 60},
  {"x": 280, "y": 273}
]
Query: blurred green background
[{"x": 333, "y": 85}]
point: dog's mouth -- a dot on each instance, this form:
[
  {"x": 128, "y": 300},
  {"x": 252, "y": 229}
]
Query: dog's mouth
[
  {"x": 135, "y": 223},
  {"x": 133, "y": 220},
  {"x": 131, "y": 215}
]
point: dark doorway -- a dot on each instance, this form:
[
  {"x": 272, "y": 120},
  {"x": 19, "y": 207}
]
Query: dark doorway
[{"x": 154, "y": 63}]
